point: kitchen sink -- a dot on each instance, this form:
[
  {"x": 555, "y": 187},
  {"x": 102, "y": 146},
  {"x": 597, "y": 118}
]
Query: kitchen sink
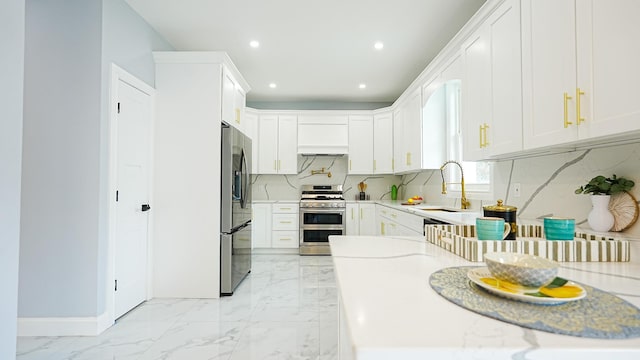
[{"x": 439, "y": 209}]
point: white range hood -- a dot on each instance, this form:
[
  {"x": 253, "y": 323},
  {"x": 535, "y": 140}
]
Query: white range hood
[{"x": 323, "y": 135}]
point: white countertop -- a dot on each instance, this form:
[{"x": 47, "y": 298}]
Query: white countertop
[{"x": 392, "y": 312}]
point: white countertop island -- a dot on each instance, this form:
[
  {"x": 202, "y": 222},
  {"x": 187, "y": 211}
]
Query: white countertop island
[{"x": 389, "y": 311}]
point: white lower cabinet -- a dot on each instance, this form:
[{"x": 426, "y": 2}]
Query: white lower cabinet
[
  {"x": 392, "y": 222},
  {"x": 284, "y": 225},
  {"x": 261, "y": 226},
  {"x": 361, "y": 219},
  {"x": 275, "y": 226}
]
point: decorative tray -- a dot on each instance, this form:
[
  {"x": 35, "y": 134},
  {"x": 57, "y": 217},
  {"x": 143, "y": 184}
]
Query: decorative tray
[{"x": 461, "y": 240}]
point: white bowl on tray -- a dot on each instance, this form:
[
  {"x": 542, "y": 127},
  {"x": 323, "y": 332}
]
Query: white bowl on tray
[{"x": 522, "y": 269}]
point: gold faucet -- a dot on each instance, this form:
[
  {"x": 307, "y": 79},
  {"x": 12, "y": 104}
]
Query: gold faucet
[{"x": 464, "y": 203}]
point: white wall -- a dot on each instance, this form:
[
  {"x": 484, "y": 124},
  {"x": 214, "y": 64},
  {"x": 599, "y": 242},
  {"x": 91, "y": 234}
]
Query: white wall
[
  {"x": 70, "y": 45},
  {"x": 547, "y": 182},
  {"x": 127, "y": 41},
  {"x": 287, "y": 187},
  {"x": 11, "y": 86},
  {"x": 60, "y": 181}
]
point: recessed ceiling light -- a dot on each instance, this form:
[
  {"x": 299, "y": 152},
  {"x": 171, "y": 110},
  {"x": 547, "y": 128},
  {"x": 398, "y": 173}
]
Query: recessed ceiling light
[
  {"x": 378, "y": 45},
  {"x": 254, "y": 44},
  {"x": 273, "y": 85},
  {"x": 362, "y": 86}
]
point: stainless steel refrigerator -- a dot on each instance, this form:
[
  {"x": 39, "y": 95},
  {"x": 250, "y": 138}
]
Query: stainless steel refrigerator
[{"x": 235, "y": 209}]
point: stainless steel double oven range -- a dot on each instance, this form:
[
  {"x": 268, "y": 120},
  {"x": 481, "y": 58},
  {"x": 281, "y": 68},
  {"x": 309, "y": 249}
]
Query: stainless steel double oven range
[{"x": 322, "y": 213}]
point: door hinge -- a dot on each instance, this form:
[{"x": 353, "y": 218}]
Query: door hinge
[
  {"x": 116, "y": 288},
  {"x": 117, "y": 195},
  {"x": 118, "y": 108}
]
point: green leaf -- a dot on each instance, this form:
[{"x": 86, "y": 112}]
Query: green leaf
[
  {"x": 537, "y": 294},
  {"x": 557, "y": 282}
]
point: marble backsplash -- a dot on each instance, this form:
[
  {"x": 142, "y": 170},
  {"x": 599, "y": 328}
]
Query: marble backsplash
[
  {"x": 287, "y": 187},
  {"x": 547, "y": 183}
]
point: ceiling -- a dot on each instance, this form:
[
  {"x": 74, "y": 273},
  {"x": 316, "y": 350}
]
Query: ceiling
[{"x": 315, "y": 51}]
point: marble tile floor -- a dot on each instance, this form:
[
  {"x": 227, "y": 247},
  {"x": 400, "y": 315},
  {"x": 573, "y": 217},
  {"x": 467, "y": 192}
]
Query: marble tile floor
[{"x": 287, "y": 308}]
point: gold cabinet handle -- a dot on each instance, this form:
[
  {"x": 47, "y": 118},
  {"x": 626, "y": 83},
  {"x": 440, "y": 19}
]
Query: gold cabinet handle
[
  {"x": 393, "y": 164},
  {"x": 238, "y": 115},
  {"x": 579, "y": 119},
  {"x": 381, "y": 228},
  {"x": 566, "y": 110},
  {"x": 480, "y": 132},
  {"x": 408, "y": 159},
  {"x": 350, "y": 165},
  {"x": 486, "y": 142},
  {"x": 394, "y": 216},
  {"x": 352, "y": 217},
  {"x": 279, "y": 165},
  {"x": 374, "y": 165},
  {"x": 275, "y": 164},
  {"x": 360, "y": 213}
]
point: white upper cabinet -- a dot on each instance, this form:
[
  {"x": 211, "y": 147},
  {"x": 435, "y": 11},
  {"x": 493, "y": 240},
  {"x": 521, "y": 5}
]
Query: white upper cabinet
[
  {"x": 251, "y": 130},
  {"x": 580, "y": 67},
  {"x": 434, "y": 122},
  {"x": 383, "y": 143},
  {"x": 277, "y": 144},
  {"x": 412, "y": 131},
  {"x": 361, "y": 144},
  {"x": 491, "y": 88},
  {"x": 233, "y": 101},
  {"x": 407, "y": 135}
]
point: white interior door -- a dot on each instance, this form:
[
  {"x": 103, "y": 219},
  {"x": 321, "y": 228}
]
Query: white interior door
[{"x": 132, "y": 200}]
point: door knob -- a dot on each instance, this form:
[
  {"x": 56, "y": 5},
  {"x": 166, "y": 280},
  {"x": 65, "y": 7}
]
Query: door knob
[{"x": 146, "y": 207}]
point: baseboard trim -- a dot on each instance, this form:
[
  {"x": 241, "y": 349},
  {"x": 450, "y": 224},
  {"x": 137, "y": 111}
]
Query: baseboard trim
[
  {"x": 67, "y": 326},
  {"x": 278, "y": 251}
]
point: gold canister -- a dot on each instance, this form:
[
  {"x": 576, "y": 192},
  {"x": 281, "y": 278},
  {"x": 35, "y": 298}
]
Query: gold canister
[{"x": 508, "y": 213}]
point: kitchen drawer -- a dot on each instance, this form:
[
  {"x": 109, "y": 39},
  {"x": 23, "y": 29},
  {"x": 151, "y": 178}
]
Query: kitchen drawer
[
  {"x": 285, "y": 208},
  {"x": 284, "y": 239},
  {"x": 285, "y": 222}
]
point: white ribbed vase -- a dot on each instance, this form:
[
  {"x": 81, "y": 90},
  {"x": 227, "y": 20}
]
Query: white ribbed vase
[{"x": 600, "y": 218}]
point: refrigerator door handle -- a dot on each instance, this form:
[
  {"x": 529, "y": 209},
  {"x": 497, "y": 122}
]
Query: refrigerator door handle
[{"x": 244, "y": 173}]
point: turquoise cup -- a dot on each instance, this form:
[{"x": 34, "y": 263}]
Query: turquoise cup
[
  {"x": 559, "y": 228},
  {"x": 492, "y": 228}
]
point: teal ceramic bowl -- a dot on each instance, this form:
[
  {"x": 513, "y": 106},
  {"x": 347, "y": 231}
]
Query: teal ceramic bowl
[{"x": 559, "y": 228}]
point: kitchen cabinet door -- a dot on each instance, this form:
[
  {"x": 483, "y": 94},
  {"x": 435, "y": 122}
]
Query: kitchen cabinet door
[
  {"x": 491, "y": 90},
  {"x": 261, "y": 226},
  {"x": 352, "y": 222},
  {"x": 412, "y": 131},
  {"x": 399, "y": 150},
  {"x": 383, "y": 143},
  {"x": 608, "y": 58},
  {"x": 361, "y": 144},
  {"x": 549, "y": 72},
  {"x": 287, "y": 144},
  {"x": 251, "y": 127},
  {"x": 239, "y": 100},
  {"x": 268, "y": 144},
  {"x": 367, "y": 219},
  {"x": 228, "y": 98}
]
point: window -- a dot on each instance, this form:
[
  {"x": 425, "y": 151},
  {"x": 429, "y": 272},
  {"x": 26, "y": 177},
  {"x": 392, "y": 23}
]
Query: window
[{"x": 477, "y": 175}]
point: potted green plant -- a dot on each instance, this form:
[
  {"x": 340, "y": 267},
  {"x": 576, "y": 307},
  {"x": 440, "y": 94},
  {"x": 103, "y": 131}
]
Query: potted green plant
[{"x": 601, "y": 188}]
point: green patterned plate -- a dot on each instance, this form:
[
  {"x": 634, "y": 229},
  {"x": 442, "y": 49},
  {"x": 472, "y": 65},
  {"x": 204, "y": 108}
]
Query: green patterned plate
[{"x": 519, "y": 293}]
